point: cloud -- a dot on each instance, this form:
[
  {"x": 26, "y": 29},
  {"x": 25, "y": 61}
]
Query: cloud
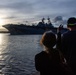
[
  {"x": 10, "y": 17},
  {"x": 37, "y": 9},
  {"x": 20, "y": 6},
  {"x": 58, "y": 18}
]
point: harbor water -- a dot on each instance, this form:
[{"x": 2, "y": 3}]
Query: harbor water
[{"x": 17, "y": 54}]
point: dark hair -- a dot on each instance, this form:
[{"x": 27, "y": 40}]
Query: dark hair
[
  {"x": 71, "y": 22},
  {"x": 48, "y": 39}
]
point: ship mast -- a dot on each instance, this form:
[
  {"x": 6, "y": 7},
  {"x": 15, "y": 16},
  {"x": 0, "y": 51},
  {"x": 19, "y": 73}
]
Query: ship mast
[
  {"x": 49, "y": 22},
  {"x": 43, "y": 20}
]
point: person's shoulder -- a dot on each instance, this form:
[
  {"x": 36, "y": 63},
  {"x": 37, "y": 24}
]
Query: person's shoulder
[
  {"x": 55, "y": 51},
  {"x": 56, "y": 54},
  {"x": 69, "y": 33},
  {"x": 40, "y": 54},
  {"x": 66, "y": 33}
]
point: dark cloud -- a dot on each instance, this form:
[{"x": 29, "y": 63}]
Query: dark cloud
[
  {"x": 10, "y": 17},
  {"x": 58, "y": 18},
  {"x": 20, "y": 6},
  {"x": 37, "y": 9}
]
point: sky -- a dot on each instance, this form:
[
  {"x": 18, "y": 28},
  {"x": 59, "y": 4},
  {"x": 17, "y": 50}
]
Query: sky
[{"x": 22, "y": 11}]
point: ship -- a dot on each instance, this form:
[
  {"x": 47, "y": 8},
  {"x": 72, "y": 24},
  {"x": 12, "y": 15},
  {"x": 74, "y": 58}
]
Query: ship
[{"x": 23, "y": 29}]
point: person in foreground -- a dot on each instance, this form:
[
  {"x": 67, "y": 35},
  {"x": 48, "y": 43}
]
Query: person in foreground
[
  {"x": 48, "y": 62},
  {"x": 69, "y": 43}
]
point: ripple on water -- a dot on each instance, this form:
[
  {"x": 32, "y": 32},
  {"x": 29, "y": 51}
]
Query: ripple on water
[{"x": 17, "y": 54}]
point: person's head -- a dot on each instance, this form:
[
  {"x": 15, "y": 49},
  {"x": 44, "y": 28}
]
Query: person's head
[
  {"x": 71, "y": 23},
  {"x": 48, "y": 39}
]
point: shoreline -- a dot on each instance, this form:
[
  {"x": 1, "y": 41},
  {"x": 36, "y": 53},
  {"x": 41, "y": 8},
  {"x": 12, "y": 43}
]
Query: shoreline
[{"x": 4, "y": 31}]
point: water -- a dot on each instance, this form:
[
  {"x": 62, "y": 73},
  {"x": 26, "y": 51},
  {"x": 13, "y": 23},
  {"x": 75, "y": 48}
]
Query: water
[{"x": 17, "y": 54}]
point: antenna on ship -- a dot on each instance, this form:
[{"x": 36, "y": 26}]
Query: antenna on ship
[
  {"x": 43, "y": 20},
  {"x": 48, "y": 20}
]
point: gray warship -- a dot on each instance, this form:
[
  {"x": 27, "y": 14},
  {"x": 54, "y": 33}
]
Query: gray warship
[{"x": 23, "y": 29}]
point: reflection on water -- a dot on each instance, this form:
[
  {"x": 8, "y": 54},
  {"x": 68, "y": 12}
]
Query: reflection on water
[
  {"x": 0, "y": 39},
  {"x": 17, "y": 54},
  {"x": 3, "y": 56}
]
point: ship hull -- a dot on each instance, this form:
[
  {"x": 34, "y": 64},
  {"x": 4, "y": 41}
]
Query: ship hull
[{"x": 29, "y": 30}]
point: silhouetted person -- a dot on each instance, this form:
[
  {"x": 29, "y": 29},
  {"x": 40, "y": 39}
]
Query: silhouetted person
[
  {"x": 58, "y": 45},
  {"x": 48, "y": 62},
  {"x": 69, "y": 43}
]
